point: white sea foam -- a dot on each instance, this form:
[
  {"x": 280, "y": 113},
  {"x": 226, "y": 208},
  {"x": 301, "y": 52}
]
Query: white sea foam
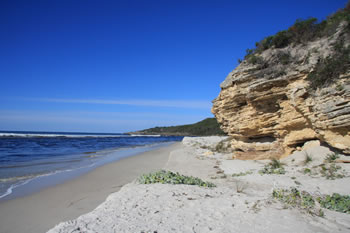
[
  {"x": 23, "y": 180},
  {"x": 57, "y": 135},
  {"x": 29, "y": 135},
  {"x": 140, "y": 135}
]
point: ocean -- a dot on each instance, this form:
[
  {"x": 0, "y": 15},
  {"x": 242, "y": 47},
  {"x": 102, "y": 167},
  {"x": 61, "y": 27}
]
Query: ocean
[{"x": 40, "y": 159}]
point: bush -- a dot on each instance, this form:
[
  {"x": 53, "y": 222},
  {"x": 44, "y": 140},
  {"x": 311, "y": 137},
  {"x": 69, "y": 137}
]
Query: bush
[
  {"x": 336, "y": 202},
  {"x": 303, "y": 31},
  {"x": 306, "y": 201},
  {"x": 329, "y": 69},
  {"x": 331, "y": 172},
  {"x": 274, "y": 167},
  {"x": 284, "y": 58},
  {"x": 282, "y": 39},
  {"x": 252, "y": 59},
  {"x": 168, "y": 177},
  {"x": 296, "y": 198}
]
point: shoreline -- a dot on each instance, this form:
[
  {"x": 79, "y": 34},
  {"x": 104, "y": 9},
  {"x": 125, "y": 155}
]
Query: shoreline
[
  {"x": 44, "y": 181},
  {"x": 242, "y": 200},
  {"x": 41, "y": 211}
]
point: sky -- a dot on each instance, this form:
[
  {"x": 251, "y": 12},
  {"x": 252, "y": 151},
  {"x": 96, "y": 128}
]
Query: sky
[{"x": 125, "y": 65}]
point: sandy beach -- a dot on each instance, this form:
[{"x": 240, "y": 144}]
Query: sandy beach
[
  {"x": 43, "y": 210},
  {"x": 242, "y": 200}
]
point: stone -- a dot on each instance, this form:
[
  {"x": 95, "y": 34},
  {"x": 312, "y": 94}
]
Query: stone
[{"x": 270, "y": 112}]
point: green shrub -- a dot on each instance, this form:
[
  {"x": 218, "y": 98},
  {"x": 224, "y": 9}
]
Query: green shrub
[
  {"x": 265, "y": 43},
  {"x": 303, "y": 31},
  {"x": 307, "y": 170},
  {"x": 329, "y": 69},
  {"x": 295, "y": 198},
  {"x": 284, "y": 58},
  {"x": 223, "y": 146},
  {"x": 337, "y": 202},
  {"x": 331, "y": 172},
  {"x": 168, "y": 177},
  {"x": 274, "y": 167},
  {"x": 304, "y": 200},
  {"x": 282, "y": 39},
  {"x": 253, "y": 59}
]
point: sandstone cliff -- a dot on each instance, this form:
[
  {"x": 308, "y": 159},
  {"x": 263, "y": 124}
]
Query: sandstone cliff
[{"x": 275, "y": 101}]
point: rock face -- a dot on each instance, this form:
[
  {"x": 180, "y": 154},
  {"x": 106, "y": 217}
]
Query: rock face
[{"x": 269, "y": 110}]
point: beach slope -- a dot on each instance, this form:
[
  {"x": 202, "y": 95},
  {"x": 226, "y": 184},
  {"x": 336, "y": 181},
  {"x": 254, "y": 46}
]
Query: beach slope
[{"x": 241, "y": 202}]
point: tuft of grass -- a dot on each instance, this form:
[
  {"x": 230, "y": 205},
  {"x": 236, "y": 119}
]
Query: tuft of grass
[
  {"x": 274, "y": 167},
  {"x": 223, "y": 146},
  {"x": 308, "y": 158},
  {"x": 240, "y": 186},
  {"x": 330, "y": 158},
  {"x": 331, "y": 172},
  {"x": 168, "y": 177},
  {"x": 242, "y": 174},
  {"x": 275, "y": 164},
  {"x": 337, "y": 202}
]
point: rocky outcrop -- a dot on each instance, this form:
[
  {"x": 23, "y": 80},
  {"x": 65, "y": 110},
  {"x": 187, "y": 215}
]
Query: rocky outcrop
[{"x": 269, "y": 109}]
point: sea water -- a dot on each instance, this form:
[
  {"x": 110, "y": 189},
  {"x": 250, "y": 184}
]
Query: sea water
[{"x": 26, "y": 157}]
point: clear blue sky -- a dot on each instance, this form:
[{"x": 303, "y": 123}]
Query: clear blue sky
[{"x": 117, "y": 66}]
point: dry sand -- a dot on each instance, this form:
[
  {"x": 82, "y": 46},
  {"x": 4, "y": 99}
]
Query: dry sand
[
  {"x": 43, "y": 210},
  {"x": 237, "y": 204}
]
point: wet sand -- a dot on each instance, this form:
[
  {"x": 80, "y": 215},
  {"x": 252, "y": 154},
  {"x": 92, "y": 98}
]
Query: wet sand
[{"x": 43, "y": 210}]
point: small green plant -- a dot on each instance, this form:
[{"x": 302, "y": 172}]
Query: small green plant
[
  {"x": 276, "y": 163},
  {"x": 253, "y": 59},
  {"x": 242, "y": 174},
  {"x": 331, "y": 171},
  {"x": 330, "y": 158},
  {"x": 304, "y": 200},
  {"x": 337, "y": 202},
  {"x": 284, "y": 57},
  {"x": 223, "y": 146},
  {"x": 308, "y": 158},
  {"x": 274, "y": 167},
  {"x": 307, "y": 171},
  {"x": 168, "y": 177},
  {"x": 295, "y": 198},
  {"x": 297, "y": 182}
]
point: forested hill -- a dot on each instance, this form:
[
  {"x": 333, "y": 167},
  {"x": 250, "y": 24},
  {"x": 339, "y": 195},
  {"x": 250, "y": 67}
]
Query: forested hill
[{"x": 206, "y": 127}]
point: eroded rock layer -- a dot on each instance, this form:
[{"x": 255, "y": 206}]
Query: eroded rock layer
[{"x": 269, "y": 109}]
